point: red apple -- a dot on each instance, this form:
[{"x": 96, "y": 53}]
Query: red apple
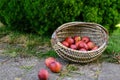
[
  {"x": 81, "y": 44},
  {"x": 49, "y": 60},
  {"x": 65, "y": 43},
  {"x": 86, "y": 46},
  {"x": 83, "y": 49},
  {"x": 91, "y": 45},
  {"x": 85, "y": 39},
  {"x": 55, "y": 67},
  {"x": 43, "y": 74},
  {"x": 73, "y": 46},
  {"x": 77, "y": 44},
  {"x": 94, "y": 48},
  {"x": 70, "y": 40},
  {"x": 77, "y": 38}
]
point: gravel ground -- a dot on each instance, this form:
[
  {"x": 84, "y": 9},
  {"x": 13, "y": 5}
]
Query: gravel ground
[{"x": 27, "y": 69}]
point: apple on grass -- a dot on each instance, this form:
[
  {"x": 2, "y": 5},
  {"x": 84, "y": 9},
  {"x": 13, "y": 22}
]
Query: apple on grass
[
  {"x": 43, "y": 74},
  {"x": 49, "y": 60},
  {"x": 55, "y": 67}
]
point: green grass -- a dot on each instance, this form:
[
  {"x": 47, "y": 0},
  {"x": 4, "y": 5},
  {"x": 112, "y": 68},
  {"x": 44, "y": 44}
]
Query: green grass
[
  {"x": 113, "y": 49},
  {"x": 49, "y": 53},
  {"x": 27, "y": 68},
  {"x": 29, "y": 45},
  {"x": 26, "y": 45}
]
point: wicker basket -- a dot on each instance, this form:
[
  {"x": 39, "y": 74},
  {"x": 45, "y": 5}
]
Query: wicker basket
[{"x": 96, "y": 32}]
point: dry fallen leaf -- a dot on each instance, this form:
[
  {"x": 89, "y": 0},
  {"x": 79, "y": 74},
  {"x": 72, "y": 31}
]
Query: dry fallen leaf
[{"x": 17, "y": 78}]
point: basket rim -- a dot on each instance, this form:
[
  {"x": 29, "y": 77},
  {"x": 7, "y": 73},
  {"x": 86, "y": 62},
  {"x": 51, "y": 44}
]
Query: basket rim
[{"x": 76, "y": 23}]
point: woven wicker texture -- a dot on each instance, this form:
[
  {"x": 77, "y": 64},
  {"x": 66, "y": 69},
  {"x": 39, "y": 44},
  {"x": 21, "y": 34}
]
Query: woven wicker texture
[{"x": 97, "y": 33}]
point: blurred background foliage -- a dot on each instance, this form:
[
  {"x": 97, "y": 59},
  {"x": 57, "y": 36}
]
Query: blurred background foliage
[{"x": 44, "y": 16}]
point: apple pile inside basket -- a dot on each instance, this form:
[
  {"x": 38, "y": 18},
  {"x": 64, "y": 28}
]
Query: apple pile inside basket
[{"x": 79, "y": 43}]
